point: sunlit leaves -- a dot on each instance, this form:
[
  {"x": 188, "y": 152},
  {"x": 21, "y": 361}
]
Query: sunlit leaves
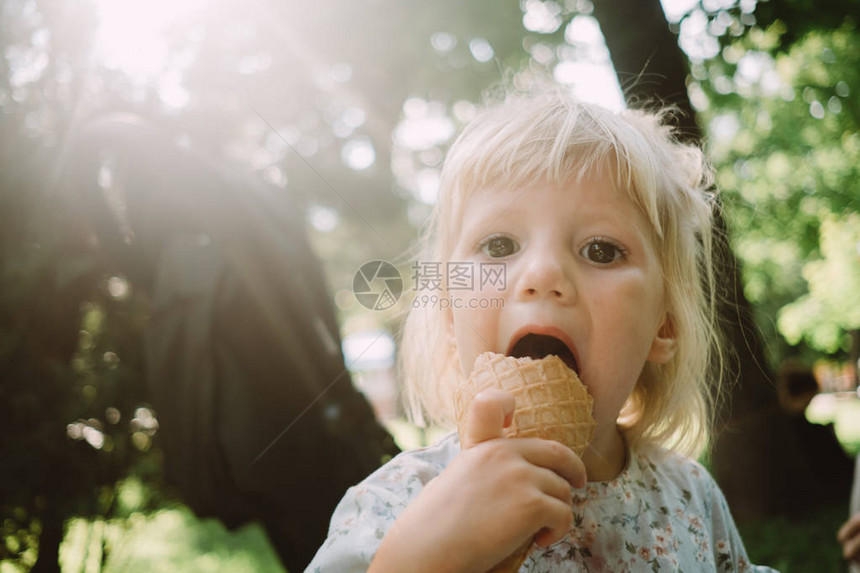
[
  {"x": 831, "y": 308},
  {"x": 786, "y": 143}
]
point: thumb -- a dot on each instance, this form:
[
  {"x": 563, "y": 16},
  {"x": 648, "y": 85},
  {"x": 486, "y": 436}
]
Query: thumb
[{"x": 489, "y": 413}]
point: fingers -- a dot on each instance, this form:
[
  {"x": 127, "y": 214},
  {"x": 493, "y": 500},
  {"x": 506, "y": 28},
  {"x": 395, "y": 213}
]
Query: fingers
[
  {"x": 547, "y": 509},
  {"x": 849, "y": 537},
  {"x": 551, "y": 484},
  {"x": 489, "y": 413},
  {"x": 851, "y": 549},
  {"x": 554, "y": 456},
  {"x": 529, "y": 479},
  {"x": 849, "y": 529},
  {"x": 559, "y": 518},
  {"x": 550, "y": 468}
]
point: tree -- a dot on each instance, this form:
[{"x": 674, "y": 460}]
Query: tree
[
  {"x": 785, "y": 181},
  {"x": 62, "y": 335},
  {"x": 825, "y": 313},
  {"x": 258, "y": 420}
]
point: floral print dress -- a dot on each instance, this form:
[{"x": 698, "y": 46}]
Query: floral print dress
[{"x": 664, "y": 512}]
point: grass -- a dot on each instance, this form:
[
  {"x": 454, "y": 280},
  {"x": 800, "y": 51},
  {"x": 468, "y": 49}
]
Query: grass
[
  {"x": 165, "y": 541},
  {"x": 805, "y": 544}
]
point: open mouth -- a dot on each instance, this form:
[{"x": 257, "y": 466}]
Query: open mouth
[{"x": 539, "y": 345}]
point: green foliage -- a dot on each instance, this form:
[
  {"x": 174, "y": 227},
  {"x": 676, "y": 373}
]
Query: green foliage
[
  {"x": 169, "y": 540},
  {"x": 844, "y": 414},
  {"x": 166, "y": 541},
  {"x": 136, "y": 538},
  {"x": 786, "y": 142},
  {"x": 822, "y": 316},
  {"x": 796, "y": 545},
  {"x": 70, "y": 381},
  {"x": 802, "y": 16}
]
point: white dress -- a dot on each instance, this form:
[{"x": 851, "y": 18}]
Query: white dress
[{"x": 664, "y": 512}]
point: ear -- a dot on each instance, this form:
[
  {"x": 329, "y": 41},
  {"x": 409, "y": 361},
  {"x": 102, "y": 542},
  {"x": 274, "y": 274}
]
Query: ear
[{"x": 665, "y": 342}]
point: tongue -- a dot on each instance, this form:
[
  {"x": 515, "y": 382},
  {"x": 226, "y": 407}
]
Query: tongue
[{"x": 538, "y": 345}]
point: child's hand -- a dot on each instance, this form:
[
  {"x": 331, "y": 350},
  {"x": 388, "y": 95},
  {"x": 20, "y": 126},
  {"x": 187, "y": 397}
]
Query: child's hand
[
  {"x": 849, "y": 537},
  {"x": 491, "y": 412},
  {"x": 495, "y": 495}
]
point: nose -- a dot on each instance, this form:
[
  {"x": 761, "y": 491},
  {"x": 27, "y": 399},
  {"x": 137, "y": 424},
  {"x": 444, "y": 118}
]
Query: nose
[{"x": 544, "y": 278}]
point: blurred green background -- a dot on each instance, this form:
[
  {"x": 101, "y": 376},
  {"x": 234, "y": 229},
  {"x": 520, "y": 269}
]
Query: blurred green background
[{"x": 349, "y": 106}]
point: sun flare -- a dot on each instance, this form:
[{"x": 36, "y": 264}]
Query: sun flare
[{"x": 132, "y": 35}]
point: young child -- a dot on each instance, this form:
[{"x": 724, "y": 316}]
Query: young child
[{"x": 602, "y": 221}]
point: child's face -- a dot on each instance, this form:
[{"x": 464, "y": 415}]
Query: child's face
[{"x": 580, "y": 266}]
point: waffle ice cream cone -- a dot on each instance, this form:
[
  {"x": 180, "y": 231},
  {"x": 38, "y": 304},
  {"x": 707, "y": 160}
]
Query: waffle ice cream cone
[{"x": 550, "y": 403}]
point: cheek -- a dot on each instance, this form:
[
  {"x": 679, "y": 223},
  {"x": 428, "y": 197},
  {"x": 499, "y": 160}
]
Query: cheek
[
  {"x": 625, "y": 320},
  {"x": 475, "y": 331},
  {"x": 639, "y": 301},
  {"x": 620, "y": 311}
]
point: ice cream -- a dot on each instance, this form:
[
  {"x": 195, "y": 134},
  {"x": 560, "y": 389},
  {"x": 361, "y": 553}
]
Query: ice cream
[{"x": 550, "y": 403}]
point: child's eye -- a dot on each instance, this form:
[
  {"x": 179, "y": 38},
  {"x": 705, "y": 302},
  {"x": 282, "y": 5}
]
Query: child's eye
[
  {"x": 602, "y": 252},
  {"x": 499, "y": 246}
]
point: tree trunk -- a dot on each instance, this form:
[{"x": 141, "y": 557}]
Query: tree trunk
[
  {"x": 650, "y": 66},
  {"x": 258, "y": 420},
  {"x": 760, "y": 454},
  {"x": 48, "y": 560}
]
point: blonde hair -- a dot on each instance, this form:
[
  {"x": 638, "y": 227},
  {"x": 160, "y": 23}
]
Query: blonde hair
[{"x": 547, "y": 136}]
